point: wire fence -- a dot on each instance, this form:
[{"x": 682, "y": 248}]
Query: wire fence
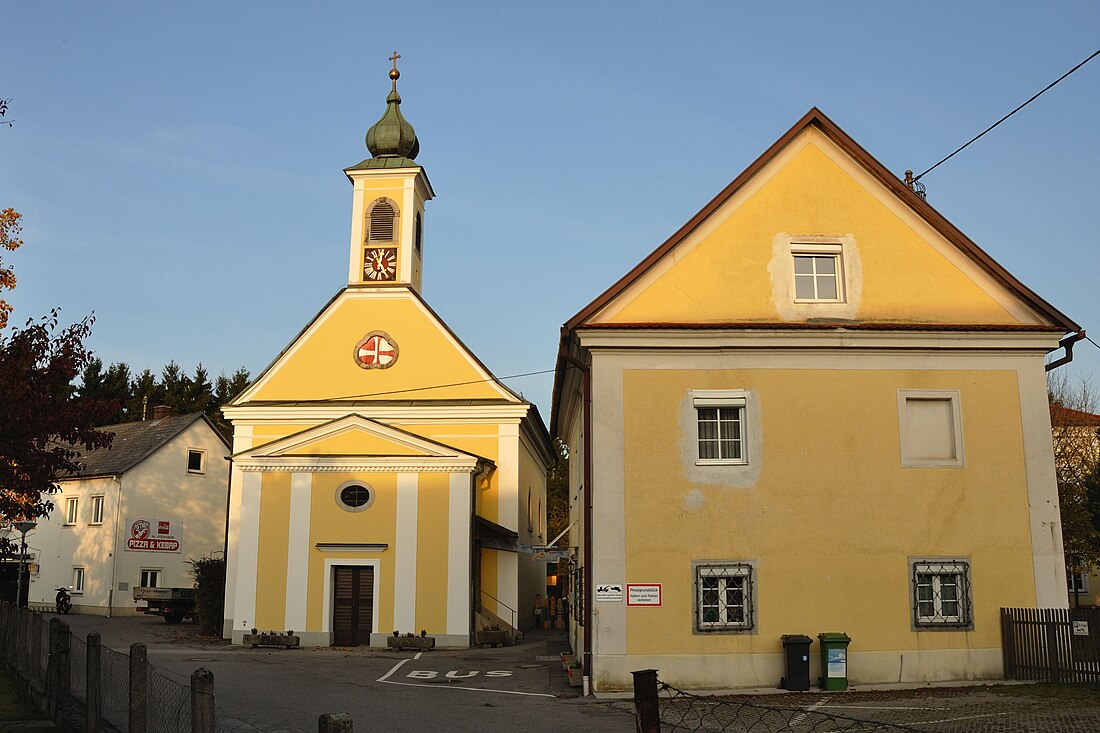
[
  {"x": 114, "y": 687},
  {"x": 683, "y": 711},
  {"x": 172, "y": 702},
  {"x": 78, "y": 668}
]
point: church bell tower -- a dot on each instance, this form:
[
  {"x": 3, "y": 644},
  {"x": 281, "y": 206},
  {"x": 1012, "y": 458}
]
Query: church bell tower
[{"x": 390, "y": 190}]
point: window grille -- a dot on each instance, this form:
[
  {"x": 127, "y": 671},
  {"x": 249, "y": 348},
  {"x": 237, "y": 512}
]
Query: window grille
[
  {"x": 382, "y": 215},
  {"x": 941, "y": 593},
  {"x": 724, "y": 597}
]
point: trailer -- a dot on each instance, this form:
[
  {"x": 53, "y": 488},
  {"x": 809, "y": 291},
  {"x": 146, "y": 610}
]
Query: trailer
[{"x": 174, "y": 604}]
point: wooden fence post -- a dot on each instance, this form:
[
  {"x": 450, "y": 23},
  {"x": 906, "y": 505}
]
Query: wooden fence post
[
  {"x": 92, "y": 699},
  {"x": 647, "y": 706},
  {"x": 63, "y": 672},
  {"x": 202, "y": 701},
  {"x": 334, "y": 723},
  {"x": 139, "y": 688}
]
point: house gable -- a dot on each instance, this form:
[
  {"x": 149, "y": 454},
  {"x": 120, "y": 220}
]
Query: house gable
[
  {"x": 428, "y": 360},
  {"x": 900, "y": 261}
]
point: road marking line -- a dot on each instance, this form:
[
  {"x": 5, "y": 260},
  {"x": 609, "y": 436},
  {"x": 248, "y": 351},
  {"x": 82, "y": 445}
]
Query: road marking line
[
  {"x": 965, "y": 717},
  {"x": 385, "y": 679},
  {"x": 802, "y": 716},
  {"x": 882, "y": 707}
]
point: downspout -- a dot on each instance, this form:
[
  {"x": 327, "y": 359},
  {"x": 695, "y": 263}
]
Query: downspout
[
  {"x": 1067, "y": 343},
  {"x": 586, "y": 487},
  {"x": 114, "y": 547}
]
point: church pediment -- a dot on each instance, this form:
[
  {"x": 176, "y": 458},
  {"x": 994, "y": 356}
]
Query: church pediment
[{"x": 357, "y": 443}]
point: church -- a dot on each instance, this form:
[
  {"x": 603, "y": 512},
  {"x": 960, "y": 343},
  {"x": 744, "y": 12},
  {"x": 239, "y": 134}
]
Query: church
[{"x": 383, "y": 480}]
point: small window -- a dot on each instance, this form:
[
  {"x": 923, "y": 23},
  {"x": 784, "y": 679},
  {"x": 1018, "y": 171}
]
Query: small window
[
  {"x": 354, "y": 496},
  {"x": 418, "y": 234},
  {"x": 724, "y": 597},
  {"x": 150, "y": 577},
  {"x": 381, "y": 219},
  {"x": 720, "y": 421},
  {"x": 97, "y": 510},
  {"x": 71, "y": 509},
  {"x": 930, "y": 423},
  {"x": 1077, "y": 582},
  {"x": 941, "y": 594},
  {"x": 78, "y": 580},
  {"x": 196, "y": 461}
]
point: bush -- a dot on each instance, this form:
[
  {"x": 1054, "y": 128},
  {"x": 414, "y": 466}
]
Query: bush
[{"x": 209, "y": 575}]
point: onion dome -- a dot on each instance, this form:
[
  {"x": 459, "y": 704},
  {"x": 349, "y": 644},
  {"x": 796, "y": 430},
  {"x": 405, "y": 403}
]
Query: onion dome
[{"x": 393, "y": 136}]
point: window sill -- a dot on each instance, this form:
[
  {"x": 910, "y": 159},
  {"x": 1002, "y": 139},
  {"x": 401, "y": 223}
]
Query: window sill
[
  {"x": 196, "y": 473},
  {"x": 95, "y": 524},
  {"x": 712, "y": 462},
  {"x": 812, "y": 301}
]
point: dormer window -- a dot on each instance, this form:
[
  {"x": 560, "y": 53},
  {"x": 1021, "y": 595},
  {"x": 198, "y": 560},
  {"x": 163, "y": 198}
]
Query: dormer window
[{"x": 381, "y": 221}]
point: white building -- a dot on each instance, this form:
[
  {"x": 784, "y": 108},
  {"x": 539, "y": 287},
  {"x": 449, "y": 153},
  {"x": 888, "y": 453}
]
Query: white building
[{"x": 133, "y": 516}]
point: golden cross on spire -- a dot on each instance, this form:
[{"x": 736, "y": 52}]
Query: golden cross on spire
[{"x": 394, "y": 73}]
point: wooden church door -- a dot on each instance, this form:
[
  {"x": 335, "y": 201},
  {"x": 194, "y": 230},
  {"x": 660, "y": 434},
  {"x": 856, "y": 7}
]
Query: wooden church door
[{"x": 353, "y": 605}]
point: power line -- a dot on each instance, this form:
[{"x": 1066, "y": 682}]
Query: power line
[
  {"x": 442, "y": 386},
  {"x": 1033, "y": 98}
]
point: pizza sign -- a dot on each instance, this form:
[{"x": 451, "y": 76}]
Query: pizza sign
[{"x": 153, "y": 535}]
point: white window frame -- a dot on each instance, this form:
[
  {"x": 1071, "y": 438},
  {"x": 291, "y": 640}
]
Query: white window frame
[
  {"x": 937, "y": 615},
  {"x": 721, "y": 399},
  {"x": 97, "y": 509},
  {"x": 144, "y": 572},
  {"x": 723, "y": 572},
  {"x": 202, "y": 461},
  {"x": 72, "y": 511},
  {"x": 78, "y": 580},
  {"x": 951, "y": 395},
  {"x": 815, "y": 250},
  {"x": 1078, "y": 582}
]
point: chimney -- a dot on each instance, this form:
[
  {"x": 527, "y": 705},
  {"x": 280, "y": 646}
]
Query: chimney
[{"x": 161, "y": 411}]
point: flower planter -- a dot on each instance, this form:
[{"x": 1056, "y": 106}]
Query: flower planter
[
  {"x": 491, "y": 636},
  {"x": 285, "y": 641},
  {"x": 410, "y": 642},
  {"x": 576, "y": 676}
]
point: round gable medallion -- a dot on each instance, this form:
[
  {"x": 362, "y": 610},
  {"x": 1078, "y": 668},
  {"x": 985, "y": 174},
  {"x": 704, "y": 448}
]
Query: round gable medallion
[{"x": 376, "y": 350}]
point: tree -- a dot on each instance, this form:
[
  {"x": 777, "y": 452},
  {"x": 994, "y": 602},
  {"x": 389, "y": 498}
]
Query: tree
[
  {"x": 44, "y": 425},
  {"x": 9, "y": 240},
  {"x": 557, "y": 493},
  {"x": 1076, "y": 445}
]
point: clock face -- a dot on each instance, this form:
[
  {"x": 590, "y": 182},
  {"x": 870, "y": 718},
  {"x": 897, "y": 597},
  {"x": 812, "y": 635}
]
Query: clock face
[{"x": 380, "y": 263}]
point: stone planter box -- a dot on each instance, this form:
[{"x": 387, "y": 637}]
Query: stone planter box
[
  {"x": 576, "y": 676},
  {"x": 410, "y": 642},
  {"x": 284, "y": 641},
  {"x": 491, "y": 636},
  {"x": 567, "y": 660}
]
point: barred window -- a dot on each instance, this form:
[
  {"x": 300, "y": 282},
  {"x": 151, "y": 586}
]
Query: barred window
[
  {"x": 941, "y": 593},
  {"x": 720, "y": 420},
  {"x": 1077, "y": 582},
  {"x": 724, "y": 596}
]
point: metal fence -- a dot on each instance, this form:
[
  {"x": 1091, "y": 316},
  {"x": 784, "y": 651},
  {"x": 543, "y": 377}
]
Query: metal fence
[{"x": 1051, "y": 644}]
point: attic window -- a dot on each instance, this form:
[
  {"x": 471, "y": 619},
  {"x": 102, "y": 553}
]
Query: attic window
[
  {"x": 382, "y": 216},
  {"x": 196, "y": 461},
  {"x": 817, "y": 272}
]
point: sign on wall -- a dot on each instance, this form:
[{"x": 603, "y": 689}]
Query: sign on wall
[
  {"x": 609, "y": 592},
  {"x": 153, "y": 535},
  {"x": 643, "y": 594}
]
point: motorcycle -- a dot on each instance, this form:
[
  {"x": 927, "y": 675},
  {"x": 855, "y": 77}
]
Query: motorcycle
[{"x": 64, "y": 600}]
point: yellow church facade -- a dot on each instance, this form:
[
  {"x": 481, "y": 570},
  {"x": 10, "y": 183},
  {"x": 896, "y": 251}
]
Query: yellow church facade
[
  {"x": 818, "y": 407},
  {"x": 382, "y": 478}
]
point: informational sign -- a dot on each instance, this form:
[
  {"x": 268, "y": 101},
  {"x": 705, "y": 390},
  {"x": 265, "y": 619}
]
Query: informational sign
[
  {"x": 153, "y": 535},
  {"x": 837, "y": 660},
  {"x": 609, "y": 592},
  {"x": 1080, "y": 628},
  {"x": 643, "y": 594}
]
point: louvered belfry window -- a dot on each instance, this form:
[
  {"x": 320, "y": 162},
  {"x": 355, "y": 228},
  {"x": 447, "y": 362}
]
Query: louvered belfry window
[{"x": 382, "y": 216}]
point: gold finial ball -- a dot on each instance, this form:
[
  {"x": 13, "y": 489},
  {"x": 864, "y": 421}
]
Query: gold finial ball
[{"x": 395, "y": 74}]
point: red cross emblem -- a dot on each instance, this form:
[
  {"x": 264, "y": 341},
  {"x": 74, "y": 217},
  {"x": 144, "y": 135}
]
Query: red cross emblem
[{"x": 376, "y": 351}]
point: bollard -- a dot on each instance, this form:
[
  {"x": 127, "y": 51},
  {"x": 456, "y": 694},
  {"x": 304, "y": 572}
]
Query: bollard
[
  {"x": 202, "y": 701},
  {"x": 647, "y": 706},
  {"x": 139, "y": 687},
  {"x": 334, "y": 723},
  {"x": 91, "y": 677}
]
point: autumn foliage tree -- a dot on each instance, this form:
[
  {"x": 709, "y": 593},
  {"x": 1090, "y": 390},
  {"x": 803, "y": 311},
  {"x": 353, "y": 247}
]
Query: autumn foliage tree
[{"x": 10, "y": 241}]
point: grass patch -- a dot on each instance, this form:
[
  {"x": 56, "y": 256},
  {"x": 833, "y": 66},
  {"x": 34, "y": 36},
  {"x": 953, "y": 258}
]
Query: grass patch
[
  {"x": 1079, "y": 694},
  {"x": 11, "y": 707}
]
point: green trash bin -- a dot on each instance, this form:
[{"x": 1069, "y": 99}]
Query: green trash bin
[{"x": 834, "y": 661}]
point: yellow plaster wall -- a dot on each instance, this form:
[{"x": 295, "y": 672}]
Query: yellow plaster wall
[
  {"x": 427, "y": 357},
  {"x": 726, "y": 277},
  {"x": 831, "y": 534},
  {"x": 355, "y": 443},
  {"x": 329, "y": 523},
  {"x": 433, "y": 502},
  {"x": 273, "y": 551}
]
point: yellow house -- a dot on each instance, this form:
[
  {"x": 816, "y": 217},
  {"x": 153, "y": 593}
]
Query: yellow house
[
  {"x": 818, "y": 407},
  {"x": 382, "y": 479}
]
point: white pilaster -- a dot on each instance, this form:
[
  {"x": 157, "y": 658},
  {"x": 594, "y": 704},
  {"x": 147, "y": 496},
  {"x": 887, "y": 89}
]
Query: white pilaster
[
  {"x": 248, "y": 548},
  {"x": 404, "y": 590},
  {"x": 242, "y": 440},
  {"x": 297, "y": 566}
]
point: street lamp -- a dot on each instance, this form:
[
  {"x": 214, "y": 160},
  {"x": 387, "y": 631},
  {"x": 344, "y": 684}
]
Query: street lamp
[{"x": 22, "y": 526}]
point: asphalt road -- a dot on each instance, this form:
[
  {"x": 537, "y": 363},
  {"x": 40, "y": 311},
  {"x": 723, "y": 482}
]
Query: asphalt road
[{"x": 490, "y": 689}]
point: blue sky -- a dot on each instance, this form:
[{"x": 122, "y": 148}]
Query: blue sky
[{"x": 179, "y": 165}]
